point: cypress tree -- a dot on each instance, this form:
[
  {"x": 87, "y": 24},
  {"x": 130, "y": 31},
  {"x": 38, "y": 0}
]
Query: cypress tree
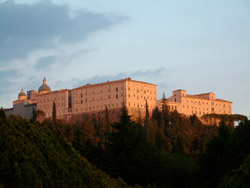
[
  {"x": 34, "y": 114},
  {"x": 54, "y": 112},
  {"x": 147, "y": 113}
]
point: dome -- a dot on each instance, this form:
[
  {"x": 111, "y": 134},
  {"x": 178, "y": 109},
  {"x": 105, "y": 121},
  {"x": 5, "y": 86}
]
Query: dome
[
  {"x": 44, "y": 87},
  {"x": 21, "y": 93}
]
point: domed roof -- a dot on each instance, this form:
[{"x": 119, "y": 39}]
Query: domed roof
[
  {"x": 21, "y": 93},
  {"x": 44, "y": 87}
]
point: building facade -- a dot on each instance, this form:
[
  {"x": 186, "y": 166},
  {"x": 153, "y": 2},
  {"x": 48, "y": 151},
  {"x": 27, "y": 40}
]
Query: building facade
[
  {"x": 113, "y": 94},
  {"x": 89, "y": 98},
  {"x": 199, "y": 104},
  {"x": 95, "y": 98}
]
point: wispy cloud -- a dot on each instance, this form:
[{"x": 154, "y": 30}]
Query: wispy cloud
[
  {"x": 36, "y": 39},
  {"x": 142, "y": 75},
  {"x": 29, "y": 27}
]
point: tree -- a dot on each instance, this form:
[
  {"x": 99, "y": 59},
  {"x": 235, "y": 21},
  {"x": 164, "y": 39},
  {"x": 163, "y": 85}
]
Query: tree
[
  {"x": 34, "y": 114},
  {"x": 156, "y": 115},
  {"x": 128, "y": 152},
  {"x": 3, "y": 117},
  {"x": 106, "y": 120},
  {"x": 237, "y": 178},
  {"x": 147, "y": 114},
  {"x": 54, "y": 112},
  {"x": 35, "y": 156},
  {"x": 214, "y": 162}
]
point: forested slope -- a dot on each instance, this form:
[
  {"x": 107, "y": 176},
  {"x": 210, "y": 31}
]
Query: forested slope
[{"x": 31, "y": 155}]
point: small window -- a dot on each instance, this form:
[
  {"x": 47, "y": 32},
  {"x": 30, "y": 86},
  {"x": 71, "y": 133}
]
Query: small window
[
  {"x": 116, "y": 96},
  {"x": 117, "y": 89}
]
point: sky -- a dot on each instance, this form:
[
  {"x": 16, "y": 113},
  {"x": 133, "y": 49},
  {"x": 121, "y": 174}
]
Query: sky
[{"x": 199, "y": 46}]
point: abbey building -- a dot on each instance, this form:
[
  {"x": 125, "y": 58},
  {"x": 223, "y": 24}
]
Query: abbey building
[
  {"x": 89, "y": 98},
  {"x": 95, "y": 98},
  {"x": 198, "y": 104}
]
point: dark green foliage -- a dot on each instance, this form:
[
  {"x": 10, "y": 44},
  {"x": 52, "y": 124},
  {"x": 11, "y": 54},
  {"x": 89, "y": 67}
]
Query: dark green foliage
[
  {"x": 54, "y": 112},
  {"x": 161, "y": 153},
  {"x": 3, "y": 117},
  {"x": 128, "y": 154},
  {"x": 147, "y": 113},
  {"x": 34, "y": 114},
  {"x": 31, "y": 155},
  {"x": 239, "y": 178},
  {"x": 40, "y": 114},
  {"x": 156, "y": 115},
  {"x": 123, "y": 149},
  {"x": 228, "y": 119},
  {"x": 225, "y": 153}
]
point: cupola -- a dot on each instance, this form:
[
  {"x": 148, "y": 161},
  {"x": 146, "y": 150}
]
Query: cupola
[{"x": 44, "y": 88}]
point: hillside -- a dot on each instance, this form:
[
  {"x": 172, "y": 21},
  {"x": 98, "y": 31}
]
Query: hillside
[{"x": 31, "y": 155}]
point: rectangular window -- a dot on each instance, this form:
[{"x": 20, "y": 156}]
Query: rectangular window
[
  {"x": 81, "y": 102},
  {"x": 117, "y": 89},
  {"x": 116, "y": 96}
]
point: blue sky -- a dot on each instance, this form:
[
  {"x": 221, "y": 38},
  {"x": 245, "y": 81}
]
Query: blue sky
[{"x": 200, "y": 46}]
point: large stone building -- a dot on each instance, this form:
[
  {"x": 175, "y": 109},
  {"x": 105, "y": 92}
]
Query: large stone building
[
  {"x": 89, "y": 98},
  {"x": 95, "y": 98},
  {"x": 199, "y": 104}
]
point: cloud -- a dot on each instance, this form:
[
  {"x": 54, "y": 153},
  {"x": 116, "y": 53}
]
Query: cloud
[
  {"x": 146, "y": 75},
  {"x": 36, "y": 39},
  {"x": 29, "y": 27},
  {"x": 45, "y": 62}
]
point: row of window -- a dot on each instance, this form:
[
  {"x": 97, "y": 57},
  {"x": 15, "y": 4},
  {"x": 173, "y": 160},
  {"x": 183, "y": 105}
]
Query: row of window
[
  {"x": 50, "y": 99},
  {"x": 93, "y": 99},
  {"x": 91, "y": 108},
  {"x": 212, "y": 103},
  {"x": 139, "y": 106},
  {"x": 202, "y": 113},
  {"x": 93, "y": 92},
  {"x": 140, "y": 97},
  {"x": 51, "y": 105}
]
